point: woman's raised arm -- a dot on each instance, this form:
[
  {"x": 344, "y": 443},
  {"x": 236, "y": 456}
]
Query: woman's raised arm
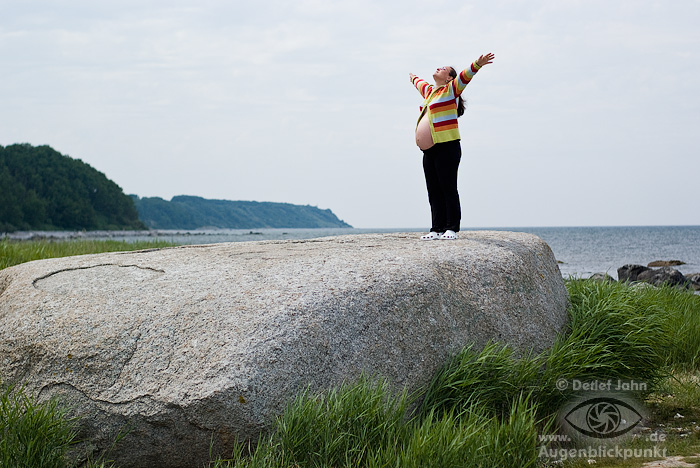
[{"x": 421, "y": 85}]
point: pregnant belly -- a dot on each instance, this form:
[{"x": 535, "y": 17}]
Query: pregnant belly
[{"x": 424, "y": 139}]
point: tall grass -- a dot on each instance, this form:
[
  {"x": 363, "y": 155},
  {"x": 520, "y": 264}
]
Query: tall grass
[
  {"x": 16, "y": 252},
  {"x": 615, "y": 332},
  {"x": 31, "y": 434},
  {"x": 368, "y": 425},
  {"x": 344, "y": 426},
  {"x": 491, "y": 378}
]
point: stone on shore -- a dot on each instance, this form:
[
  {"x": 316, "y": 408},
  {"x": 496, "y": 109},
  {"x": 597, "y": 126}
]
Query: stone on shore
[
  {"x": 663, "y": 276},
  {"x": 693, "y": 281},
  {"x": 602, "y": 277},
  {"x": 630, "y": 272},
  {"x": 196, "y": 344},
  {"x": 665, "y": 263}
]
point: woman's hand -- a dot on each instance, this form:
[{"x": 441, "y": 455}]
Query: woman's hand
[{"x": 485, "y": 59}]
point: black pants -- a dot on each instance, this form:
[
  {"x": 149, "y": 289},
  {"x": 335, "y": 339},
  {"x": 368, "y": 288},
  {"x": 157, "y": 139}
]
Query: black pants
[{"x": 440, "y": 165}]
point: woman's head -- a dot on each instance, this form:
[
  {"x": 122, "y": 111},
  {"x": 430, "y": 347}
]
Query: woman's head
[{"x": 444, "y": 75}]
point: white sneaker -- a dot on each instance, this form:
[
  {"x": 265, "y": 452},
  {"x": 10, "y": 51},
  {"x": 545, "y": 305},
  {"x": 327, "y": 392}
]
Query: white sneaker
[
  {"x": 431, "y": 236},
  {"x": 448, "y": 235}
]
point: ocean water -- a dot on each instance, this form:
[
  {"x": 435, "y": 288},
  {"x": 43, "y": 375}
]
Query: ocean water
[{"x": 581, "y": 251}]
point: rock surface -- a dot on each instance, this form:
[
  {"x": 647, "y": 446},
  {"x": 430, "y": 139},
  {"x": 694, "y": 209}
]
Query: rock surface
[
  {"x": 654, "y": 276},
  {"x": 604, "y": 277},
  {"x": 665, "y": 263},
  {"x": 663, "y": 276},
  {"x": 630, "y": 272},
  {"x": 194, "y": 344},
  {"x": 693, "y": 281}
]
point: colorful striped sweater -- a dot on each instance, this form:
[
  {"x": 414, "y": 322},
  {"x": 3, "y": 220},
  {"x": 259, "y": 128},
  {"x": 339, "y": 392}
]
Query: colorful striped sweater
[{"x": 441, "y": 104}]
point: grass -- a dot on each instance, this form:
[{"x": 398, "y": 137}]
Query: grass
[
  {"x": 486, "y": 408},
  {"x": 37, "y": 434},
  {"x": 16, "y": 252},
  {"x": 32, "y": 434},
  {"x": 367, "y": 425}
]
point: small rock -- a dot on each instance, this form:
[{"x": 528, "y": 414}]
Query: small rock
[
  {"x": 678, "y": 416},
  {"x": 693, "y": 281},
  {"x": 665, "y": 263},
  {"x": 663, "y": 276},
  {"x": 602, "y": 277},
  {"x": 630, "y": 272}
]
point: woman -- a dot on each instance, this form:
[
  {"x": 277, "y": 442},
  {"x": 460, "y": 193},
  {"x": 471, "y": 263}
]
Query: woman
[{"x": 437, "y": 135}]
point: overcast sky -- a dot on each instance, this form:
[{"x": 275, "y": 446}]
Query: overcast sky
[{"x": 588, "y": 116}]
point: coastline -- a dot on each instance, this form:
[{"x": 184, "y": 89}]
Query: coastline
[{"x": 581, "y": 251}]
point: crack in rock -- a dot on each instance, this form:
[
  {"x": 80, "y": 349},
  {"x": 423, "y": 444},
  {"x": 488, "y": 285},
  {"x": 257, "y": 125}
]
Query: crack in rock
[
  {"x": 4, "y": 284},
  {"x": 131, "y": 354},
  {"x": 52, "y": 389},
  {"x": 53, "y": 273},
  {"x": 96, "y": 280}
]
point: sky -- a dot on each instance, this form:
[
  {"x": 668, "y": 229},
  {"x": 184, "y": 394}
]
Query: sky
[{"x": 588, "y": 115}]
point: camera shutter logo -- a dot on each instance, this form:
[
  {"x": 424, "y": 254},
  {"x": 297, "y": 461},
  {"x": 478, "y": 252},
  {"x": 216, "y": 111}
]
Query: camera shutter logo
[{"x": 603, "y": 417}]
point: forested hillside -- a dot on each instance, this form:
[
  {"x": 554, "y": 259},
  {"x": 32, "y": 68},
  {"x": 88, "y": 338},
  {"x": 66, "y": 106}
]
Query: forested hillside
[
  {"x": 187, "y": 212},
  {"x": 41, "y": 189}
]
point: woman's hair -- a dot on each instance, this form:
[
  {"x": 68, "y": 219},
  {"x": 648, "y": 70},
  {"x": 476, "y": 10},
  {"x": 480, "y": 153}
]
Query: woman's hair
[{"x": 460, "y": 101}]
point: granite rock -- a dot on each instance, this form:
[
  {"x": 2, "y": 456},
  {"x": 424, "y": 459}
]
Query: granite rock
[
  {"x": 665, "y": 263},
  {"x": 196, "y": 344},
  {"x": 630, "y": 272},
  {"x": 603, "y": 277},
  {"x": 693, "y": 281},
  {"x": 663, "y": 276}
]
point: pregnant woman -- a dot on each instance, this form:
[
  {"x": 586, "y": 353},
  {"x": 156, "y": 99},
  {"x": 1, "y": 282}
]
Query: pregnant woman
[{"x": 437, "y": 135}]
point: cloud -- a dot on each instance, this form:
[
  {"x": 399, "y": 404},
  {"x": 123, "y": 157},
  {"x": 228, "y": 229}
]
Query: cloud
[{"x": 309, "y": 101}]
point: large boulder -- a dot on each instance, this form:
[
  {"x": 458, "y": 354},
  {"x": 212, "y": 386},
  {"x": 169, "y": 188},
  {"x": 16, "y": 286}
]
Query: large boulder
[{"x": 195, "y": 345}]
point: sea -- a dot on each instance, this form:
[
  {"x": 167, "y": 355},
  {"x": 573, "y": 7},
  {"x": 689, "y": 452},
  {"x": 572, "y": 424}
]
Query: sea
[{"x": 580, "y": 251}]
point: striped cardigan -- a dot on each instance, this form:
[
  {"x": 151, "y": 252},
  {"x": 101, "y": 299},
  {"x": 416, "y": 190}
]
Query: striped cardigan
[{"x": 441, "y": 104}]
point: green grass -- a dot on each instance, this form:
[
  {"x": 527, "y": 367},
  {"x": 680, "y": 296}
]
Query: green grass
[
  {"x": 485, "y": 407},
  {"x": 32, "y": 434},
  {"x": 367, "y": 425},
  {"x": 37, "y": 434},
  {"x": 16, "y": 252}
]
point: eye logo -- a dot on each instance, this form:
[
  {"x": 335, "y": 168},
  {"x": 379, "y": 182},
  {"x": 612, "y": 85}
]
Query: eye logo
[{"x": 603, "y": 418}]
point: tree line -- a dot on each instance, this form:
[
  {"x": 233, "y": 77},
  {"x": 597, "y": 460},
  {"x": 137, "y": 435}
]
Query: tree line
[
  {"x": 41, "y": 189},
  {"x": 190, "y": 212}
]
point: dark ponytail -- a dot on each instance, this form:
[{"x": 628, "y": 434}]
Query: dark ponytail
[
  {"x": 460, "y": 101},
  {"x": 460, "y": 106}
]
